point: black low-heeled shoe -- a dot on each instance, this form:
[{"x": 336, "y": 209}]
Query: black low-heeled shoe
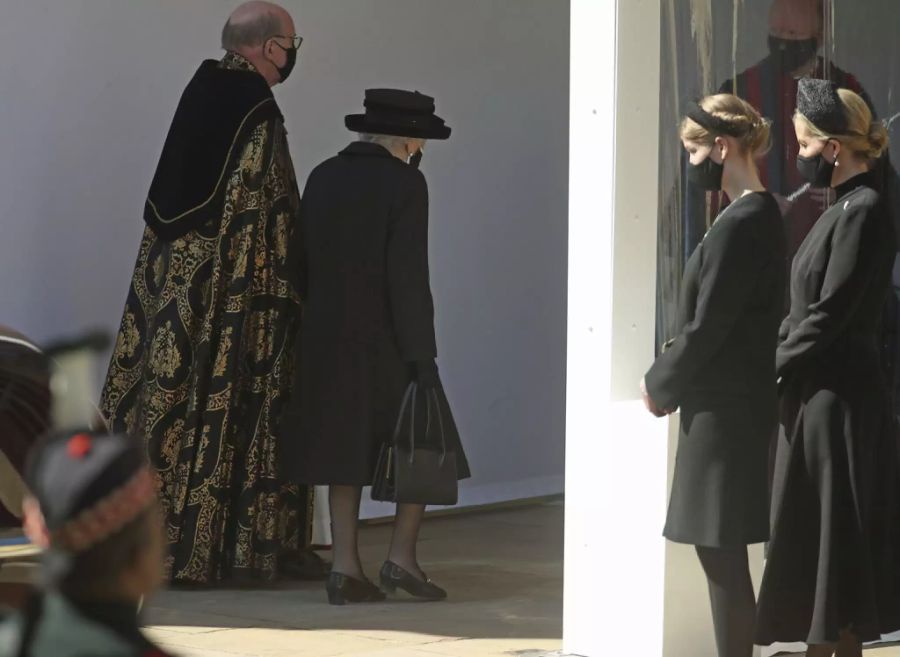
[
  {"x": 342, "y": 589},
  {"x": 394, "y": 577}
]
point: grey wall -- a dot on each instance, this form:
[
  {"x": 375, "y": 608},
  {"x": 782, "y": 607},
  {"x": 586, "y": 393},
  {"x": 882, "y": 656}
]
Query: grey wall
[{"x": 87, "y": 88}]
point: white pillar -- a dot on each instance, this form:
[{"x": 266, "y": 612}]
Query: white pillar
[
  {"x": 627, "y": 592},
  {"x": 617, "y": 454}
]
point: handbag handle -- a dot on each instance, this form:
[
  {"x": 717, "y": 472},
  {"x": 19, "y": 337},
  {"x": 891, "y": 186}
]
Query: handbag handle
[
  {"x": 437, "y": 407},
  {"x": 412, "y": 436},
  {"x": 410, "y": 395}
]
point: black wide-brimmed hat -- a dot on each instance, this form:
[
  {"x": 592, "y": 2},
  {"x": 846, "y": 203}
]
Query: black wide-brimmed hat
[
  {"x": 398, "y": 113},
  {"x": 818, "y": 101}
]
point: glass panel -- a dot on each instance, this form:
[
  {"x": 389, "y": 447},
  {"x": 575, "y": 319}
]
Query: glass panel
[{"x": 758, "y": 49}]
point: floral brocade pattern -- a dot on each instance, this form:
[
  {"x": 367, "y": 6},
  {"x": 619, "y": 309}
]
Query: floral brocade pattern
[{"x": 201, "y": 370}]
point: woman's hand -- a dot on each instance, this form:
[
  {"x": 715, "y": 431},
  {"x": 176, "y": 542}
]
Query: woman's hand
[
  {"x": 425, "y": 373},
  {"x": 650, "y": 404}
]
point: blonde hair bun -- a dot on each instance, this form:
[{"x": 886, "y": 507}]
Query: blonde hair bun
[
  {"x": 865, "y": 136},
  {"x": 742, "y": 120}
]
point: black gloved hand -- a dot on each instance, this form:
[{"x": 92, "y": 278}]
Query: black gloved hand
[{"x": 425, "y": 373}]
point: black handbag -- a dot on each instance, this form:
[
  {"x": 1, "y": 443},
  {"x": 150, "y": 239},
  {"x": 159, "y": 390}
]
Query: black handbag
[{"x": 410, "y": 473}]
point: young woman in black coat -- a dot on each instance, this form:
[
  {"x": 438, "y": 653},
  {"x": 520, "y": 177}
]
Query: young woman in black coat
[
  {"x": 367, "y": 330},
  {"x": 719, "y": 370},
  {"x": 831, "y": 577}
]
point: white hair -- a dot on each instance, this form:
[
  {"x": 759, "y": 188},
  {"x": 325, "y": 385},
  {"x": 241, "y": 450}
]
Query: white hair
[{"x": 390, "y": 142}]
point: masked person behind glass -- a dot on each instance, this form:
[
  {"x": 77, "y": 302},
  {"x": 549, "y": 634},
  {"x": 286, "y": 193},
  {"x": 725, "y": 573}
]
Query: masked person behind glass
[
  {"x": 94, "y": 512},
  {"x": 796, "y": 35},
  {"x": 368, "y": 329},
  {"x": 719, "y": 369},
  {"x": 832, "y": 578}
]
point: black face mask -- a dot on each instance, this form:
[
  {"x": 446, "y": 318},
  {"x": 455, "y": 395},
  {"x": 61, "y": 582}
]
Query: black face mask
[
  {"x": 816, "y": 170},
  {"x": 416, "y": 158},
  {"x": 792, "y": 54},
  {"x": 285, "y": 71},
  {"x": 706, "y": 175}
]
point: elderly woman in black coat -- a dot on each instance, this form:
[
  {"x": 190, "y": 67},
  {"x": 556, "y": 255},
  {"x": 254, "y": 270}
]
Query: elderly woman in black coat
[{"x": 367, "y": 330}]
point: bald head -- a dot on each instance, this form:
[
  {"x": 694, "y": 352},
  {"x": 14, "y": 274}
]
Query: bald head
[
  {"x": 251, "y": 24},
  {"x": 263, "y": 33},
  {"x": 796, "y": 19}
]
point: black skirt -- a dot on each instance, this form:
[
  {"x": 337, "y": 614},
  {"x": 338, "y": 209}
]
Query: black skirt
[
  {"x": 833, "y": 559},
  {"x": 345, "y": 407},
  {"x": 720, "y": 490}
]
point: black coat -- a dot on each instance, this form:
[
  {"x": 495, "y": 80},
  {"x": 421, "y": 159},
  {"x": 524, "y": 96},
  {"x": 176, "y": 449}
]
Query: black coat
[
  {"x": 833, "y": 556},
  {"x": 720, "y": 372},
  {"x": 362, "y": 264}
]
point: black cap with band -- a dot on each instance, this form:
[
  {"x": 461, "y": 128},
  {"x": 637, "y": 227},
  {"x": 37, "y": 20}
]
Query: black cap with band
[
  {"x": 819, "y": 101},
  {"x": 87, "y": 486}
]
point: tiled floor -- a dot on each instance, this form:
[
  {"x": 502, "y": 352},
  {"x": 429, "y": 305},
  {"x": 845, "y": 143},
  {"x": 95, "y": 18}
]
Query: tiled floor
[{"x": 503, "y": 571}]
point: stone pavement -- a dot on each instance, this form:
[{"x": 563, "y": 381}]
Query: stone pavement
[{"x": 503, "y": 571}]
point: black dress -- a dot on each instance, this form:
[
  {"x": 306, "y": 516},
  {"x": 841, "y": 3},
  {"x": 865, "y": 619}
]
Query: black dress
[
  {"x": 362, "y": 264},
  {"x": 832, "y": 560},
  {"x": 720, "y": 372}
]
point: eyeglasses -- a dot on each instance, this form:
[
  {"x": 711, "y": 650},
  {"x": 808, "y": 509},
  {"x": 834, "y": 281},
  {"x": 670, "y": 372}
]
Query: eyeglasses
[{"x": 295, "y": 40}]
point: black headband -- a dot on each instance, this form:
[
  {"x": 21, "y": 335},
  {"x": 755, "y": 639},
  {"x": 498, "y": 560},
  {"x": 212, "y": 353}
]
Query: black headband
[{"x": 713, "y": 123}]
